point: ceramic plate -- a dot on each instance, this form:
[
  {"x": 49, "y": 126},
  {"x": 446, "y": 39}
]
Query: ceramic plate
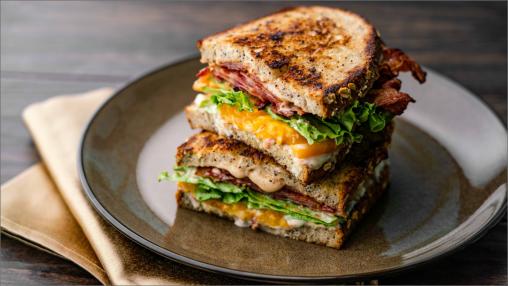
[{"x": 448, "y": 185}]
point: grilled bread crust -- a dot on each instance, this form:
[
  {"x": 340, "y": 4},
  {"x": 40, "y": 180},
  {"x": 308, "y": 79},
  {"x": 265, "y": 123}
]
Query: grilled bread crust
[
  {"x": 207, "y": 149},
  {"x": 319, "y": 59},
  {"x": 309, "y": 232},
  {"x": 282, "y": 154}
]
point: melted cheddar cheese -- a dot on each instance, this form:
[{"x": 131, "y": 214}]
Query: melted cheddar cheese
[
  {"x": 241, "y": 211},
  {"x": 263, "y": 126},
  {"x": 306, "y": 150},
  {"x": 186, "y": 187}
]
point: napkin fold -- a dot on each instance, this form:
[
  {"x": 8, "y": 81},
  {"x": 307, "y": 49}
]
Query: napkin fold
[
  {"x": 46, "y": 205},
  {"x": 33, "y": 210}
]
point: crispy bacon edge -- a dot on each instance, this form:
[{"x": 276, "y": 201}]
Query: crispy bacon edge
[
  {"x": 385, "y": 92},
  {"x": 234, "y": 74}
]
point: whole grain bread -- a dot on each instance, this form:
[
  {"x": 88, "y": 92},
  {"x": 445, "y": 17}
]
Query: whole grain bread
[
  {"x": 319, "y": 59},
  {"x": 309, "y": 232},
  {"x": 200, "y": 119},
  {"x": 207, "y": 149}
]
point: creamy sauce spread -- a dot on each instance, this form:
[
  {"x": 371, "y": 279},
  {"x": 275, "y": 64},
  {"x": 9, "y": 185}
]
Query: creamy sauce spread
[{"x": 268, "y": 181}]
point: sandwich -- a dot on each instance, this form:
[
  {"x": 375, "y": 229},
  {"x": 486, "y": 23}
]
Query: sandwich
[
  {"x": 296, "y": 111},
  {"x": 298, "y": 85},
  {"x": 230, "y": 179}
]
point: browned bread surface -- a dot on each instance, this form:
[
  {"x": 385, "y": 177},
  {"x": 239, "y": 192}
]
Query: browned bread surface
[
  {"x": 318, "y": 58},
  {"x": 200, "y": 119},
  {"x": 313, "y": 233},
  {"x": 207, "y": 149}
]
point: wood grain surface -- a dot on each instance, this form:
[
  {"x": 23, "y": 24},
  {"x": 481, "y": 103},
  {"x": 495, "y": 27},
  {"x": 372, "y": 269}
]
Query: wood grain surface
[{"x": 52, "y": 48}]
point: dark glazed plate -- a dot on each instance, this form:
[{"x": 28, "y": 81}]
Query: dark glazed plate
[{"x": 448, "y": 185}]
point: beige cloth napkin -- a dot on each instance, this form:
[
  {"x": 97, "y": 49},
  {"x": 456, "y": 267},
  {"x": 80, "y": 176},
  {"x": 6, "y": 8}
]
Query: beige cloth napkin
[{"x": 46, "y": 206}]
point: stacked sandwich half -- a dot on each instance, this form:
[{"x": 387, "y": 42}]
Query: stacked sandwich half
[{"x": 297, "y": 110}]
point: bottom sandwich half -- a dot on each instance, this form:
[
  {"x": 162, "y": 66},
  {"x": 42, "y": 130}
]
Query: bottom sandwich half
[
  {"x": 227, "y": 178},
  {"x": 278, "y": 223}
]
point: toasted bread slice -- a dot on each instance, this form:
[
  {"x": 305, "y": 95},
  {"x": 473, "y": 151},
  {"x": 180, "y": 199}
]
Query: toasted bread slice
[
  {"x": 309, "y": 232},
  {"x": 318, "y": 59},
  {"x": 305, "y": 170},
  {"x": 207, "y": 149}
]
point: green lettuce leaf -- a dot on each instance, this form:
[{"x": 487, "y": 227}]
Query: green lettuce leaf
[
  {"x": 313, "y": 128},
  {"x": 203, "y": 194},
  {"x": 231, "y": 97},
  {"x": 291, "y": 209},
  {"x": 228, "y": 193},
  {"x": 340, "y": 127},
  {"x": 163, "y": 176},
  {"x": 187, "y": 175}
]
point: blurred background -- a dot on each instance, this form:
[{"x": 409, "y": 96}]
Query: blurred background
[{"x": 52, "y": 48}]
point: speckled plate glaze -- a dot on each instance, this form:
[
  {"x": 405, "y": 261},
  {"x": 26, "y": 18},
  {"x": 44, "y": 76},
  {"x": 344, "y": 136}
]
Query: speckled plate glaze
[{"x": 448, "y": 185}]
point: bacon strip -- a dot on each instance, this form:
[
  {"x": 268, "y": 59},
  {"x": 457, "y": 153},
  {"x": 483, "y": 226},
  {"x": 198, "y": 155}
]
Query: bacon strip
[
  {"x": 395, "y": 61},
  {"x": 386, "y": 90},
  {"x": 234, "y": 74},
  {"x": 391, "y": 99},
  {"x": 203, "y": 71},
  {"x": 222, "y": 175}
]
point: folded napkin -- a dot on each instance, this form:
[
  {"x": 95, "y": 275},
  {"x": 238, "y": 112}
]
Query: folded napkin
[{"x": 46, "y": 206}]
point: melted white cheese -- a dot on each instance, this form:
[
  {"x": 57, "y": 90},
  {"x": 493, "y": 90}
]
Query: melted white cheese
[
  {"x": 293, "y": 222},
  {"x": 195, "y": 203},
  {"x": 379, "y": 168},
  {"x": 366, "y": 184},
  {"x": 242, "y": 223},
  {"x": 212, "y": 109},
  {"x": 315, "y": 162}
]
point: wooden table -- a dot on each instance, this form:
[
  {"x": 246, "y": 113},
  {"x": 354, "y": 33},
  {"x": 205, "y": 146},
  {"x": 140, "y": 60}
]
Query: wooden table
[{"x": 67, "y": 47}]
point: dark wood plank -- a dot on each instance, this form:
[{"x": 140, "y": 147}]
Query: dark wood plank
[
  {"x": 23, "y": 264},
  {"x": 50, "y": 48}
]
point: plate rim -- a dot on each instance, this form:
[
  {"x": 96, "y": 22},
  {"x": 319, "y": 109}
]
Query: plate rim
[{"x": 147, "y": 244}]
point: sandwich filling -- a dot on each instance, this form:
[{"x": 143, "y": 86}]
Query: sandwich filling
[
  {"x": 239, "y": 99},
  {"x": 215, "y": 188},
  {"x": 307, "y": 135}
]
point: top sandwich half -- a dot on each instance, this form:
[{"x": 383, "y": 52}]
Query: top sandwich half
[
  {"x": 301, "y": 85},
  {"x": 315, "y": 60}
]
